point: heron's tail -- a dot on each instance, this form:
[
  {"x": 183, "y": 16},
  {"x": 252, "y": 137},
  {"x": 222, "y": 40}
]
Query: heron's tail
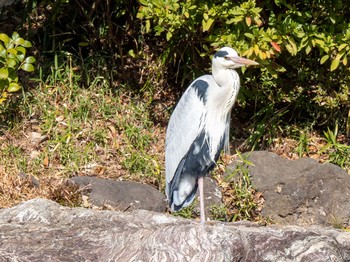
[{"x": 182, "y": 189}]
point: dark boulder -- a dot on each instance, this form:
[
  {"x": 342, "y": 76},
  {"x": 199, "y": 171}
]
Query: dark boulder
[
  {"x": 121, "y": 195},
  {"x": 301, "y": 191}
]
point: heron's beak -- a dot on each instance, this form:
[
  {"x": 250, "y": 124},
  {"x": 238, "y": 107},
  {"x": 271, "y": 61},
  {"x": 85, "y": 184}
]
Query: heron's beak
[{"x": 243, "y": 61}]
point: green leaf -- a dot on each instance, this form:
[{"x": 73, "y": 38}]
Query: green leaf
[
  {"x": 19, "y": 41},
  {"x": 3, "y": 53},
  {"x": 12, "y": 51},
  {"x": 345, "y": 61},
  {"x": 324, "y": 59},
  {"x": 148, "y": 26},
  {"x": 26, "y": 44},
  {"x": 12, "y": 62},
  {"x": 335, "y": 62},
  {"x": 308, "y": 49},
  {"x": 144, "y": 2},
  {"x": 28, "y": 67},
  {"x": 320, "y": 42},
  {"x": 140, "y": 14},
  {"x": 4, "y": 38},
  {"x": 3, "y": 96},
  {"x": 15, "y": 35},
  {"x": 248, "y": 20},
  {"x": 21, "y": 49},
  {"x": 30, "y": 60},
  {"x": 13, "y": 87},
  {"x": 342, "y": 46},
  {"x": 11, "y": 55},
  {"x": 235, "y": 20},
  {"x": 12, "y": 75},
  {"x": 294, "y": 48},
  {"x": 4, "y": 73},
  {"x": 159, "y": 29},
  {"x": 237, "y": 11},
  {"x": 290, "y": 49},
  {"x": 132, "y": 53},
  {"x": 206, "y": 24},
  {"x": 249, "y": 35},
  {"x": 168, "y": 35},
  {"x": 20, "y": 57},
  {"x": 256, "y": 10}
]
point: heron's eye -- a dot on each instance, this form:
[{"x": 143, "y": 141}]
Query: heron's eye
[{"x": 227, "y": 58}]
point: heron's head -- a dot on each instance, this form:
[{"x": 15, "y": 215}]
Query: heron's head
[{"x": 228, "y": 58}]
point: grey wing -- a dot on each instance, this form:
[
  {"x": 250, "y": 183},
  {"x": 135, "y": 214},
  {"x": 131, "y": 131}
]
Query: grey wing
[{"x": 186, "y": 122}]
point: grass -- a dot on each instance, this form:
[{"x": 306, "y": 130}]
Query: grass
[
  {"x": 241, "y": 200},
  {"x": 86, "y": 131},
  {"x": 338, "y": 152}
]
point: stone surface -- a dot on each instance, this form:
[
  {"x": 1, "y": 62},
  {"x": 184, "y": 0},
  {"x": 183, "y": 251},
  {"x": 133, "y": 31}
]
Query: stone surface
[
  {"x": 42, "y": 230},
  {"x": 212, "y": 194},
  {"x": 301, "y": 191},
  {"x": 121, "y": 195}
]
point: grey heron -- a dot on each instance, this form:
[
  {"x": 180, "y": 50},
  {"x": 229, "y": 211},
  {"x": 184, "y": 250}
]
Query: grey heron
[{"x": 198, "y": 129}]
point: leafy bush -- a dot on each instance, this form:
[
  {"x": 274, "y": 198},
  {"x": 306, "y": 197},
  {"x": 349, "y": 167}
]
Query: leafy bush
[
  {"x": 12, "y": 59},
  {"x": 303, "y": 48},
  {"x": 96, "y": 33},
  {"x": 262, "y": 32}
]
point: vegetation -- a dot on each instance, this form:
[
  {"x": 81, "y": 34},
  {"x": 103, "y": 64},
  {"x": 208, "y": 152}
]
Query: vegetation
[
  {"x": 302, "y": 47},
  {"x": 12, "y": 58},
  {"x": 105, "y": 76},
  {"x": 243, "y": 202}
]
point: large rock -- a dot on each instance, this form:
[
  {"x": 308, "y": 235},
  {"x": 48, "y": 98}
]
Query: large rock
[
  {"x": 121, "y": 195},
  {"x": 42, "y": 230},
  {"x": 301, "y": 191}
]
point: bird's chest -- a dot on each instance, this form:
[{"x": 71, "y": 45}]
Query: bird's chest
[{"x": 218, "y": 115}]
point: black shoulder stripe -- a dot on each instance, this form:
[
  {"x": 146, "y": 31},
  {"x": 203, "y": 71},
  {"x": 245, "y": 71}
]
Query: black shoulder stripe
[{"x": 201, "y": 88}]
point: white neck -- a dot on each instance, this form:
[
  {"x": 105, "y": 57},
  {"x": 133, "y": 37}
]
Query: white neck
[
  {"x": 222, "y": 98},
  {"x": 228, "y": 81}
]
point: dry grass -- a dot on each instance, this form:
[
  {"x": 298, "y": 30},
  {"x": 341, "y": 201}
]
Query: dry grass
[
  {"x": 70, "y": 131},
  {"x": 16, "y": 189}
]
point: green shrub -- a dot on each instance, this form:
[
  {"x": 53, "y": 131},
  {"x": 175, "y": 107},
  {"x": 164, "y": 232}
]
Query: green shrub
[
  {"x": 262, "y": 31},
  {"x": 12, "y": 59},
  {"x": 303, "y": 48}
]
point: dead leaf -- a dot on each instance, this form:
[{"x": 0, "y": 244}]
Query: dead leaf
[{"x": 46, "y": 161}]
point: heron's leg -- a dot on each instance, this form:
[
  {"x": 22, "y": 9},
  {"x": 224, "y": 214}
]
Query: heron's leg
[{"x": 201, "y": 198}]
